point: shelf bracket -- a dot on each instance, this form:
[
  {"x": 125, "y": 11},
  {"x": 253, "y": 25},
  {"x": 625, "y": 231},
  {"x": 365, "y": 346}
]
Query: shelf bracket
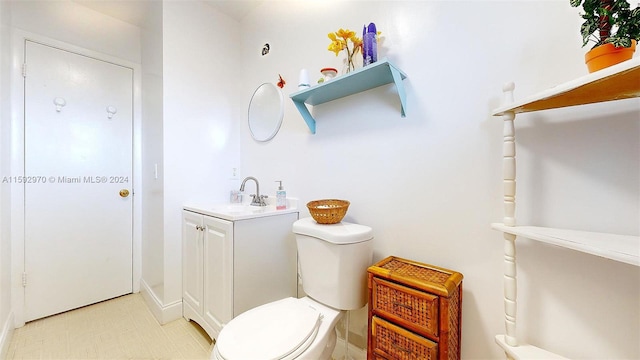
[
  {"x": 306, "y": 115},
  {"x": 397, "y": 80}
]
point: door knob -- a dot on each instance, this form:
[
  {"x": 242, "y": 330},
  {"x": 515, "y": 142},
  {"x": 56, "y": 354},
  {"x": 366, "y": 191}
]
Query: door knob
[{"x": 124, "y": 193}]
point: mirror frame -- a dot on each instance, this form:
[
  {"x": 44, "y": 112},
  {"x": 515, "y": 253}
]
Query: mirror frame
[{"x": 255, "y": 121}]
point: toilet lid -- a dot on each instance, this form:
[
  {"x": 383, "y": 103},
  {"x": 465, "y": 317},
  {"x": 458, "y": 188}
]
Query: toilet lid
[
  {"x": 342, "y": 233},
  {"x": 270, "y": 331}
]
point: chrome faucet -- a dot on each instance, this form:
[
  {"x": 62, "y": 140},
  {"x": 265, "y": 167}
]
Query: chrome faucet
[{"x": 258, "y": 200}]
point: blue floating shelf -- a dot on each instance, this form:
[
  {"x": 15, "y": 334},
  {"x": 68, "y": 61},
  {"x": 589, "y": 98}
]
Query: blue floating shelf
[{"x": 377, "y": 74}]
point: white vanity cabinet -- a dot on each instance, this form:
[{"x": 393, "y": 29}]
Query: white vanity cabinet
[{"x": 229, "y": 266}]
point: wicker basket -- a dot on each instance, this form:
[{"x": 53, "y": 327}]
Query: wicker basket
[{"x": 328, "y": 211}]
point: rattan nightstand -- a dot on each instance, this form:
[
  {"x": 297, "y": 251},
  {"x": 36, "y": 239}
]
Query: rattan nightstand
[{"x": 415, "y": 311}]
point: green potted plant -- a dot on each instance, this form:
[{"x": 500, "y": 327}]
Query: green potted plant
[{"x": 613, "y": 26}]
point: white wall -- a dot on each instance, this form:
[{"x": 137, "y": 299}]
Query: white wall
[
  {"x": 201, "y": 113},
  {"x": 152, "y": 185},
  {"x": 431, "y": 183},
  {"x": 70, "y": 22},
  {"x": 6, "y": 323}
]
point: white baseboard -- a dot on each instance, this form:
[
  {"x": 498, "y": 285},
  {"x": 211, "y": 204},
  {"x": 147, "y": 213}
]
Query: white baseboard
[
  {"x": 164, "y": 313},
  {"x": 5, "y": 336}
]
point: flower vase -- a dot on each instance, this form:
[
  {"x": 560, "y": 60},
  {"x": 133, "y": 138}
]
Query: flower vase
[
  {"x": 350, "y": 66},
  {"x": 351, "y": 63}
]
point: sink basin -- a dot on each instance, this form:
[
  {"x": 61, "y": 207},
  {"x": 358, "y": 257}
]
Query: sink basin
[
  {"x": 243, "y": 211},
  {"x": 236, "y": 208}
]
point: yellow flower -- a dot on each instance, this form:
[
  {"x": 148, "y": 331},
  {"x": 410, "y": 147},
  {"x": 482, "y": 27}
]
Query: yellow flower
[
  {"x": 357, "y": 44},
  {"x": 340, "y": 41},
  {"x": 336, "y": 46},
  {"x": 346, "y": 34}
]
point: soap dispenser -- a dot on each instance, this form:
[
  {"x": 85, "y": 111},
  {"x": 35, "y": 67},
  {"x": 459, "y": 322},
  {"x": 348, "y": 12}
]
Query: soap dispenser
[{"x": 281, "y": 197}]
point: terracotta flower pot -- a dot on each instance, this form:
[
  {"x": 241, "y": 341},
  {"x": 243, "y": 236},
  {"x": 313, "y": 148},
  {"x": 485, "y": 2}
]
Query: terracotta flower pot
[{"x": 607, "y": 55}]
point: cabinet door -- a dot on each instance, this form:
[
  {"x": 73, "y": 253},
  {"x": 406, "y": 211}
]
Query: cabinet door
[
  {"x": 218, "y": 272},
  {"x": 192, "y": 261}
]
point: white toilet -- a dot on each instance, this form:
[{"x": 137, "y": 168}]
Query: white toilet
[{"x": 333, "y": 264}]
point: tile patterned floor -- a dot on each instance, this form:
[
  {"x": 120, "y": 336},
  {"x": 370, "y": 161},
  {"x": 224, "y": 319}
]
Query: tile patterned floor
[{"x": 122, "y": 328}]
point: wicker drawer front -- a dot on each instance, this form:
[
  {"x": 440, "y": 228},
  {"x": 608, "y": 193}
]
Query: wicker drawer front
[
  {"x": 393, "y": 342},
  {"x": 416, "y": 310}
]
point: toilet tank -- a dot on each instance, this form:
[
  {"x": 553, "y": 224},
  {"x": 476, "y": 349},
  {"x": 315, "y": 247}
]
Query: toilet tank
[{"x": 333, "y": 262}]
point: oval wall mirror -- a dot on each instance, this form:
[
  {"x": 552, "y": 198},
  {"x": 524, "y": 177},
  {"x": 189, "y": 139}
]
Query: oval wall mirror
[{"x": 266, "y": 111}]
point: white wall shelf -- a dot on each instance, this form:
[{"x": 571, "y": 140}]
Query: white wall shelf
[
  {"x": 622, "y": 248},
  {"x": 618, "y": 82},
  {"x": 526, "y": 351},
  {"x": 377, "y": 74},
  {"x": 613, "y": 83}
]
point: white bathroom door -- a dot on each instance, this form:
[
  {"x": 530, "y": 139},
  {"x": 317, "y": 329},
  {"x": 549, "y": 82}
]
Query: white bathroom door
[{"x": 78, "y": 180}]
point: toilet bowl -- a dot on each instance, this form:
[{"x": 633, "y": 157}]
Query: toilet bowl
[{"x": 333, "y": 263}]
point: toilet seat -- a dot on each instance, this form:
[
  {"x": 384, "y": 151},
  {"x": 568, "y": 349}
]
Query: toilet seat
[{"x": 281, "y": 330}]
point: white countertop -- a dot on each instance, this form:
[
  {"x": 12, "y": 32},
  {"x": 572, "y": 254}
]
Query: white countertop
[{"x": 233, "y": 212}]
